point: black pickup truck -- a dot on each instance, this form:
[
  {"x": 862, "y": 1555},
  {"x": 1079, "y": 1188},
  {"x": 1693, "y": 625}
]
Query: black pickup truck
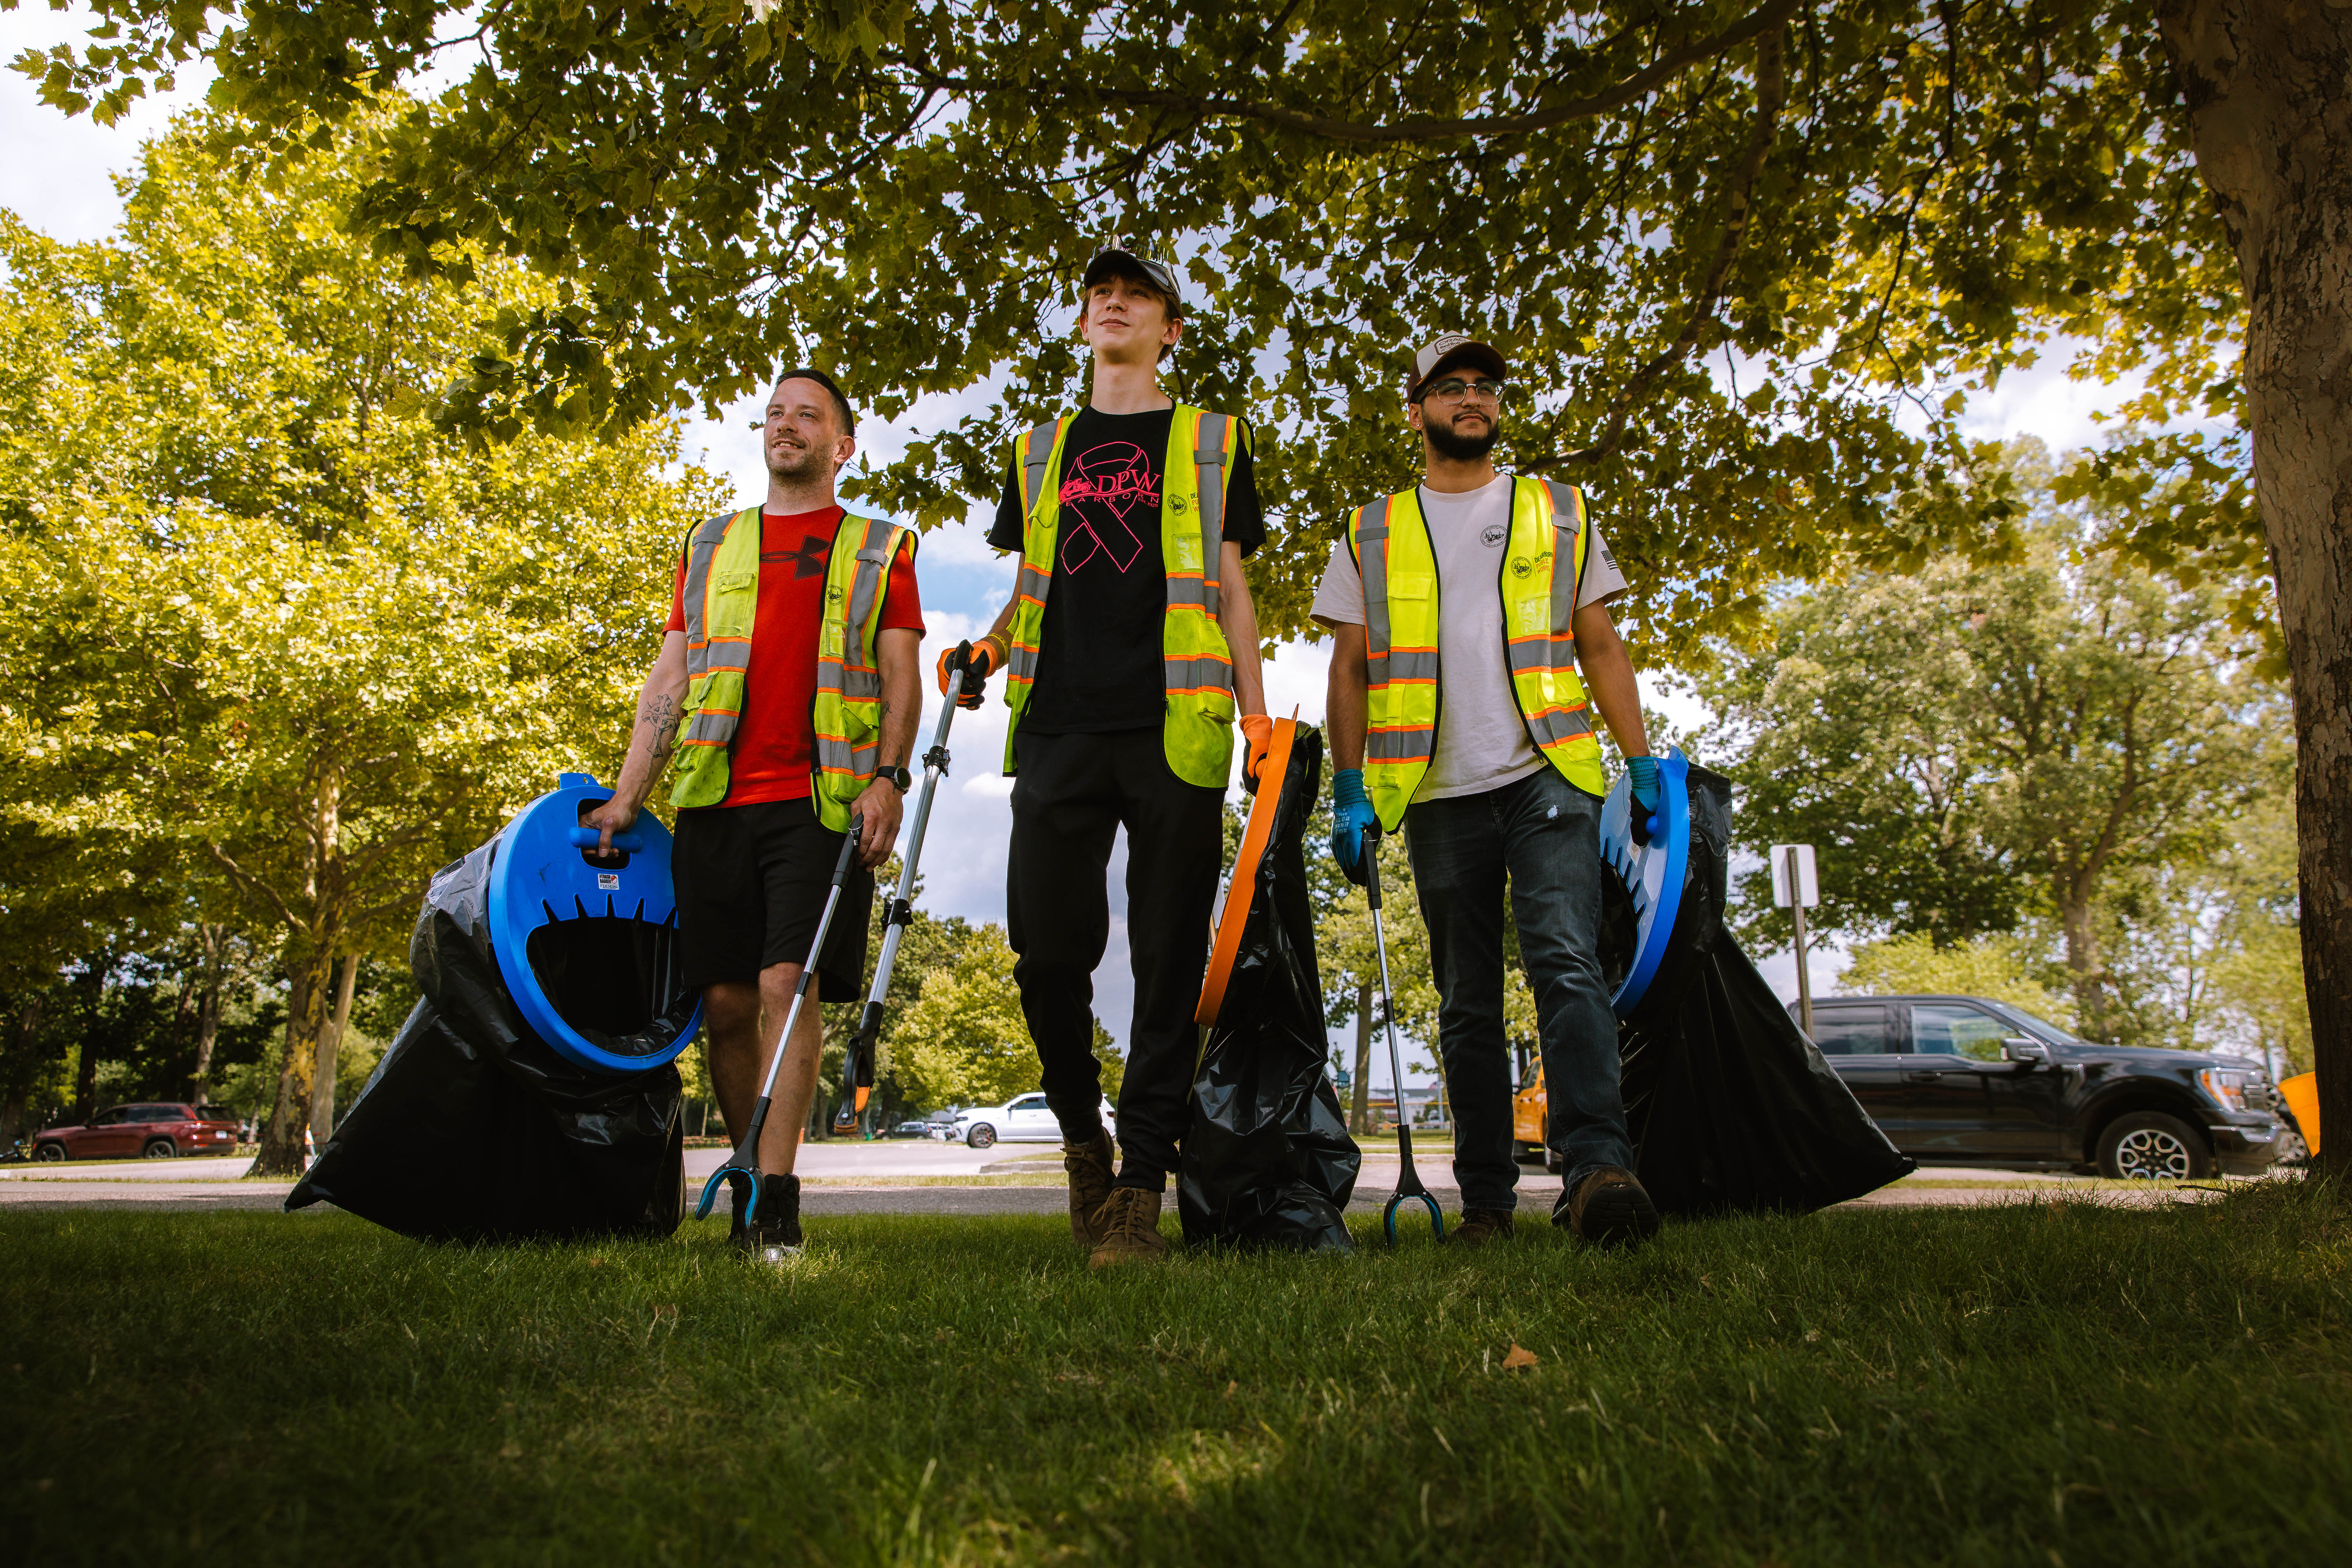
[{"x": 1961, "y": 1080}]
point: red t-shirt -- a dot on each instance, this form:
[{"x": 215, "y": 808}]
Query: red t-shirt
[{"x": 770, "y": 755}]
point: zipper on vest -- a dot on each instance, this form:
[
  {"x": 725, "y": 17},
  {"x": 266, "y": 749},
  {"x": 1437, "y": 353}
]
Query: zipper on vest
[{"x": 1503, "y": 597}]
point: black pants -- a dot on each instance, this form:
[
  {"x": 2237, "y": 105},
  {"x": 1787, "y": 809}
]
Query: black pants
[{"x": 1070, "y": 793}]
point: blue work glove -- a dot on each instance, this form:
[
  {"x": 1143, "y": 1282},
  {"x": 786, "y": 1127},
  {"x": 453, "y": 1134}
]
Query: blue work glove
[
  {"x": 1351, "y": 813},
  {"x": 1648, "y": 795}
]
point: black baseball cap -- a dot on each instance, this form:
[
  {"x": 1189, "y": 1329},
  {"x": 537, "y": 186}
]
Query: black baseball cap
[
  {"x": 1445, "y": 353},
  {"x": 1118, "y": 257}
]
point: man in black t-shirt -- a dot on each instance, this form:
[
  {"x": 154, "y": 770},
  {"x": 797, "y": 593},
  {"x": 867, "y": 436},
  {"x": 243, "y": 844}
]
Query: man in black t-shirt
[{"x": 1131, "y": 645}]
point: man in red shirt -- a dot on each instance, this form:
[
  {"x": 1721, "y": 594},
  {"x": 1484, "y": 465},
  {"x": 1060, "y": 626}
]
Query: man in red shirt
[{"x": 783, "y": 735}]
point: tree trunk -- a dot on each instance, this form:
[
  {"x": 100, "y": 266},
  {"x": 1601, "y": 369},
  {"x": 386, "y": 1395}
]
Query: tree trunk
[
  {"x": 214, "y": 940},
  {"x": 2083, "y": 965},
  {"x": 1360, "y": 1116},
  {"x": 331, "y": 1047},
  {"x": 20, "y": 1084},
  {"x": 2271, "y": 118},
  {"x": 181, "y": 1006},
  {"x": 306, "y": 1020}
]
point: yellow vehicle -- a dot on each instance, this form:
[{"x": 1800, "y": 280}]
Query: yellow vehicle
[{"x": 1529, "y": 1111}]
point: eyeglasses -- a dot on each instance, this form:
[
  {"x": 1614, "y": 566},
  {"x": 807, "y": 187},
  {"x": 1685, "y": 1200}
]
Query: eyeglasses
[{"x": 1454, "y": 389}]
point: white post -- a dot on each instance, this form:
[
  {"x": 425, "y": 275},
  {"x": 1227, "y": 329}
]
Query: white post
[
  {"x": 1796, "y": 887},
  {"x": 1804, "y": 977}
]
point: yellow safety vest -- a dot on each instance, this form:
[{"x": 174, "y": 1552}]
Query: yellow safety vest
[
  {"x": 1198, "y": 729},
  {"x": 721, "y": 601},
  {"x": 1390, "y": 541}
]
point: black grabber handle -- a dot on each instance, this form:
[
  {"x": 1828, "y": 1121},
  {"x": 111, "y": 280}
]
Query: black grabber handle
[{"x": 1408, "y": 1179}]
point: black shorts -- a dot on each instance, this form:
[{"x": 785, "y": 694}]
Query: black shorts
[{"x": 751, "y": 883}]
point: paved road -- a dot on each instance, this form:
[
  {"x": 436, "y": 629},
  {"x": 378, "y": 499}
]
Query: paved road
[{"x": 916, "y": 1177}]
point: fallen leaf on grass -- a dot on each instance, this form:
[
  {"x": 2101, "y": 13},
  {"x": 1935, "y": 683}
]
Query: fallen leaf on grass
[
  {"x": 511, "y": 1451},
  {"x": 1519, "y": 1356},
  {"x": 1230, "y": 1386}
]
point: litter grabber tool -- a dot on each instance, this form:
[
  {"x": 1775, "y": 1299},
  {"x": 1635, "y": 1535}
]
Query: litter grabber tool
[
  {"x": 1408, "y": 1179},
  {"x": 741, "y": 1171},
  {"x": 857, "y": 1061}
]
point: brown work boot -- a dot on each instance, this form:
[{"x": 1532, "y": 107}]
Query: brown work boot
[
  {"x": 1606, "y": 1207},
  {"x": 1090, "y": 1169},
  {"x": 1129, "y": 1223},
  {"x": 1479, "y": 1226}
]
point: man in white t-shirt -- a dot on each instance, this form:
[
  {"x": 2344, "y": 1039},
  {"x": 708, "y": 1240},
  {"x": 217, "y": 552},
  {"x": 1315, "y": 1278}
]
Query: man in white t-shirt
[{"x": 1474, "y": 645}]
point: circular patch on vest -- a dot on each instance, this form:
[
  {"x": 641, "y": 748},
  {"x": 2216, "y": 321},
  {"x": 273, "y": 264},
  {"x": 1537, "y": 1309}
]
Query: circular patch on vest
[
  {"x": 1493, "y": 536},
  {"x": 1521, "y": 566}
]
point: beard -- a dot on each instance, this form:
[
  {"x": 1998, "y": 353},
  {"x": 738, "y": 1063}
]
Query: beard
[
  {"x": 1461, "y": 449},
  {"x": 796, "y": 463}
]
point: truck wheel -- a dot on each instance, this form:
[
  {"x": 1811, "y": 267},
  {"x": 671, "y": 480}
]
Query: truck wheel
[
  {"x": 158, "y": 1149},
  {"x": 2149, "y": 1145},
  {"x": 981, "y": 1137},
  {"x": 1551, "y": 1162}
]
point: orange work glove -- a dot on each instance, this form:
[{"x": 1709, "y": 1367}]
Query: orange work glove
[
  {"x": 982, "y": 660},
  {"x": 1258, "y": 732}
]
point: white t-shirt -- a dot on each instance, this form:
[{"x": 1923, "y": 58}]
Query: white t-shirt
[{"x": 1481, "y": 740}]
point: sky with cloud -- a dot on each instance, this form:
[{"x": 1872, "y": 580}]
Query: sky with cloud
[{"x": 62, "y": 182}]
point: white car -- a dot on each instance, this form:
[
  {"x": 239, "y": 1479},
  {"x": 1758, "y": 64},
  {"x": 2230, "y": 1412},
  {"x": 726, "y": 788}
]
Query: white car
[{"x": 1024, "y": 1119}]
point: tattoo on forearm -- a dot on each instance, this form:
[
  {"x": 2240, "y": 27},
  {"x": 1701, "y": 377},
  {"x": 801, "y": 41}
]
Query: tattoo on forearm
[{"x": 658, "y": 714}]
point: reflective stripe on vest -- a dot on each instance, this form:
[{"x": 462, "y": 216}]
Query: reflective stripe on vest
[
  {"x": 1196, "y": 662},
  {"x": 721, "y": 601},
  {"x": 1389, "y": 540}
]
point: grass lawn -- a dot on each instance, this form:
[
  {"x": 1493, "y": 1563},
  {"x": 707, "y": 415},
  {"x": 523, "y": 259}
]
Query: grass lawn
[{"x": 2031, "y": 1383}]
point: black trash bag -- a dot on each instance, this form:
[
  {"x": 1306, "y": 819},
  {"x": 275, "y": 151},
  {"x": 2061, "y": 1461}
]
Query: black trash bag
[
  {"x": 1267, "y": 1159},
  {"x": 473, "y": 1128},
  {"x": 1729, "y": 1105}
]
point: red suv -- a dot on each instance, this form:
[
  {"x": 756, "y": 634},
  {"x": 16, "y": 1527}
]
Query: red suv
[{"x": 149, "y": 1132}]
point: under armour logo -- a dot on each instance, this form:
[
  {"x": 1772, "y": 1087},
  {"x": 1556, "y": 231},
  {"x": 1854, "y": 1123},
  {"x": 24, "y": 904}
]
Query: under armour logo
[{"x": 809, "y": 560}]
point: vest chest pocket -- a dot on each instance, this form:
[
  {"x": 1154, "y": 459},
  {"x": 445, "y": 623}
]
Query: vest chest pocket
[
  {"x": 1188, "y": 553},
  {"x": 1413, "y": 585},
  {"x": 737, "y": 579}
]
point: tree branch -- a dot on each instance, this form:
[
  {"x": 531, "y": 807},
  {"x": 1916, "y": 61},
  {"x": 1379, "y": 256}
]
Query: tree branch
[
  {"x": 1764, "y": 20},
  {"x": 1771, "y": 93},
  {"x": 253, "y": 884}
]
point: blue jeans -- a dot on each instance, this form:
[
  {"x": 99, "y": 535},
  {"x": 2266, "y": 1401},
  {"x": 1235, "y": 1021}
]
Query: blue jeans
[{"x": 1544, "y": 833}]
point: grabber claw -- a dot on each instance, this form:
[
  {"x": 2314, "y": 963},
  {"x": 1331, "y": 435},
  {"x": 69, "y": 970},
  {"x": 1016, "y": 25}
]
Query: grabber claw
[
  {"x": 1388, "y": 1214},
  {"x": 746, "y": 1186}
]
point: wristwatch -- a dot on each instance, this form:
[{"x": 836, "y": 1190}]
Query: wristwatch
[{"x": 899, "y": 776}]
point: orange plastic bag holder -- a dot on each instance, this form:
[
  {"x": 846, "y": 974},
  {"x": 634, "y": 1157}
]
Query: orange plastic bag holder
[{"x": 1240, "y": 892}]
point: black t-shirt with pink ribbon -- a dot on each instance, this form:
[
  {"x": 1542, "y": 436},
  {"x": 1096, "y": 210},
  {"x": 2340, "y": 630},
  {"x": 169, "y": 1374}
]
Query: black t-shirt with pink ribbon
[{"x": 1098, "y": 668}]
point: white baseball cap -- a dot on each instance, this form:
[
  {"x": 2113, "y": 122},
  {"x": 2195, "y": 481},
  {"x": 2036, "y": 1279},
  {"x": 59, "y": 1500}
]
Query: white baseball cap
[{"x": 1447, "y": 350}]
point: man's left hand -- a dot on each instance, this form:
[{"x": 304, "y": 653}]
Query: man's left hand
[{"x": 879, "y": 808}]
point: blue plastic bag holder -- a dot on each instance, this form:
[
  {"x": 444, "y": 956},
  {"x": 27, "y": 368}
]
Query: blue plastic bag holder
[
  {"x": 1652, "y": 872},
  {"x": 588, "y": 949}
]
